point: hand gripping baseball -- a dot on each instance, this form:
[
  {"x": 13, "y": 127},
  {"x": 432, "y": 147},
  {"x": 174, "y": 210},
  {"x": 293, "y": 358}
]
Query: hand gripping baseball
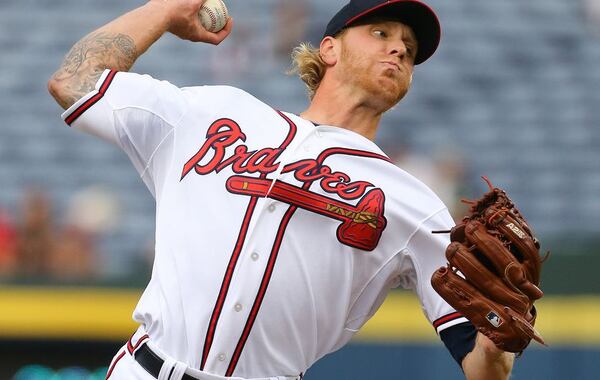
[
  {"x": 493, "y": 272},
  {"x": 183, "y": 21}
]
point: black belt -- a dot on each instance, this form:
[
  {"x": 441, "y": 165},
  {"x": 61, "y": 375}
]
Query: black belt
[{"x": 152, "y": 363}]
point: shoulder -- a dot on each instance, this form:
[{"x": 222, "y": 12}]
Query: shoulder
[
  {"x": 362, "y": 160},
  {"x": 130, "y": 86},
  {"x": 402, "y": 189},
  {"x": 411, "y": 187},
  {"x": 127, "y": 93},
  {"x": 219, "y": 93},
  {"x": 408, "y": 199}
]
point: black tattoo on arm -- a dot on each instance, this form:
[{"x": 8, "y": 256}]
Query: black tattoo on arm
[{"x": 86, "y": 61}]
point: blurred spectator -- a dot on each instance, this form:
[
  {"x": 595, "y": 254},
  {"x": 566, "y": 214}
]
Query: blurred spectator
[
  {"x": 291, "y": 24},
  {"x": 592, "y": 15},
  {"x": 444, "y": 173},
  {"x": 452, "y": 184},
  {"x": 73, "y": 255},
  {"x": 8, "y": 246},
  {"x": 91, "y": 213},
  {"x": 35, "y": 242},
  {"x": 232, "y": 61},
  {"x": 37, "y": 248}
]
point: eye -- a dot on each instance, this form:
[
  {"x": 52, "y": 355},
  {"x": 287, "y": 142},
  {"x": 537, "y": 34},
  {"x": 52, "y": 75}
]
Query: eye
[{"x": 380, "y": 33}]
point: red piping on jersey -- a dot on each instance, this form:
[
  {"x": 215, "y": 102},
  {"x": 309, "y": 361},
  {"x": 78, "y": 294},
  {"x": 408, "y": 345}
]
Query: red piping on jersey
[
  {"x": 275, "y": 250},
  {"x": 291, "y": 133},
  {"x": 350, "y": 152},
  {"x": 261, "y": 292},
  {"x": 218, "y": 308},
  {"x": 212, "y": 326},
  {"x": 93, "y": 100},
  {"x": 112, "y": 367},
  {"x": 446, "y": 318},
  {"x": 131, "y": 348}
]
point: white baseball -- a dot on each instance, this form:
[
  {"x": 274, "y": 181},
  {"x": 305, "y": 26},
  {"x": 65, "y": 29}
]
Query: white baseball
[{"x": 213, "y": 15}]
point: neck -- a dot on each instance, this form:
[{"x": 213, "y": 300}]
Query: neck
[{"x": 340, "y": 106}]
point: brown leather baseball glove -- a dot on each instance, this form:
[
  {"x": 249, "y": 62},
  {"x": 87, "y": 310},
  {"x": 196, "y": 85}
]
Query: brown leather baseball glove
[{"x": 493, "y": 271}]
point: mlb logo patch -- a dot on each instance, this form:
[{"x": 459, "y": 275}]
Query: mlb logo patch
[{"x": 494, "y": 319}]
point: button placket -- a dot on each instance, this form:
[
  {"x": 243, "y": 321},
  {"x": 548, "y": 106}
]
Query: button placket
[{"x": 239, "y": 295}]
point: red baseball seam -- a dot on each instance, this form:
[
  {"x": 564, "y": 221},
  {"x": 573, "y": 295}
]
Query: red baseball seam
[{"x": 213, "y": 19}]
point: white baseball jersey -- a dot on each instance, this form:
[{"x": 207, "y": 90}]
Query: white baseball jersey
[{"x": 276, "y": 239}]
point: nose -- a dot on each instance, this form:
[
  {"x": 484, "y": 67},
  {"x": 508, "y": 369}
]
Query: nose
[{"x": 398, "y": 49}]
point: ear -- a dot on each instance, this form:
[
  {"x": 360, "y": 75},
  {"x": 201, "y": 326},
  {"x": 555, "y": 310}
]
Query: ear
[{"x": 329, "y": 50}]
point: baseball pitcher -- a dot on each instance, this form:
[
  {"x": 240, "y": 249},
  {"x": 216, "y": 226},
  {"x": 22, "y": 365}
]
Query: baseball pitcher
[{"x": 277, "y": 235}]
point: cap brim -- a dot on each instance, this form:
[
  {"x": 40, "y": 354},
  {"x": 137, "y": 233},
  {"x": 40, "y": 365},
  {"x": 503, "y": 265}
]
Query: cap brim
[{"x": 419, "y": 16}]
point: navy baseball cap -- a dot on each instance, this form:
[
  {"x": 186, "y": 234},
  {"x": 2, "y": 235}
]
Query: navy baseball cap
[{"x": 419, "y": 16}]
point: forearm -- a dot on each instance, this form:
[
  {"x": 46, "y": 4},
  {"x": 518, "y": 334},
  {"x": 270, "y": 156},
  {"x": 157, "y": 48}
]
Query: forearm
[
  {"x": 487, "y": 362},
  {"x": 115, "y": 46}
]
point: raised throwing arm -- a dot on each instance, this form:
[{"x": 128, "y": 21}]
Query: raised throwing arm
[{"x": 119, "y": 43}]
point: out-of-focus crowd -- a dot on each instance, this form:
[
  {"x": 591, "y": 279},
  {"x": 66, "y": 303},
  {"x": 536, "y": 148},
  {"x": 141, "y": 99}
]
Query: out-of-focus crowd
[
  {"x": 35, "y": 245},
  {"x": 445, "y": 171}
]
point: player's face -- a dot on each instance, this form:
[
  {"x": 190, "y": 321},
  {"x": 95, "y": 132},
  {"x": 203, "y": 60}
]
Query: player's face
[{"x": 378, "y": 58}]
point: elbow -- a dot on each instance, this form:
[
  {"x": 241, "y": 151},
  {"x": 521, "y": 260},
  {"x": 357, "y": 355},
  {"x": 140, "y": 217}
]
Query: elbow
[
  {"x": 54, "y": 88},
  {"x": 58, "y": 91}
]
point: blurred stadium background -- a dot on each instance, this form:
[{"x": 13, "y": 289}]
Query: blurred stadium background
[{"x": 513, "y": 93}]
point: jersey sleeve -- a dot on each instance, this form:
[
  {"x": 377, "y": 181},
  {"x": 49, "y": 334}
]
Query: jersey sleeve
[
  {"x": 138, "y": 114},
  {"x": 427, "y": 253},
  {"x": 459, "y": 339}
]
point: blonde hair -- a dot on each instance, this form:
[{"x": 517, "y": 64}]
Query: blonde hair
[{"x": 310, "y": 67}]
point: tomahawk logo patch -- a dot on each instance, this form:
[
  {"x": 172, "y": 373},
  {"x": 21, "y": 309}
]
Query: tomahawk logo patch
[
  {"x": 494, "y": 319},
  {"x": 361, "y": 226}
]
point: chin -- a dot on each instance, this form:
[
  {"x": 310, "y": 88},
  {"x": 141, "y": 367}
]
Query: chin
[{"x": 390, "y": 95}]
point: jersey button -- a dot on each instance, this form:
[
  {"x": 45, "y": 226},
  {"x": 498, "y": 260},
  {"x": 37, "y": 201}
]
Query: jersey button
[
  {"x": 222, "y": 357},
  {"x": 254, "y": 256},
  {"x": 271, "y": 208},
  {"x": 238, "y": 307}
]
